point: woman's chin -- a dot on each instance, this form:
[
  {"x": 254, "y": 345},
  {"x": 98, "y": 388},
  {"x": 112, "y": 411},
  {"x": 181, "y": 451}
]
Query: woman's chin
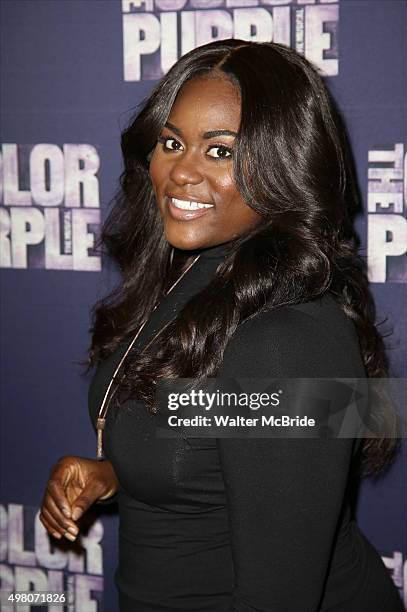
[{"x": 186, "y": 243}]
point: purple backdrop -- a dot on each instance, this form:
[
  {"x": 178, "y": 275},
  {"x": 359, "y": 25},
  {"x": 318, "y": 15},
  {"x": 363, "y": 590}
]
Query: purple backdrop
[{"x": 72, "y": 72}]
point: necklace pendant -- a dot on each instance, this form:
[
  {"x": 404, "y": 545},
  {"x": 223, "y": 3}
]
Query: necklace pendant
[{"x": 100, "y": 428}]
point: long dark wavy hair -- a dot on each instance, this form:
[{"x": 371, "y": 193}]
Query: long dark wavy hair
[{"x": 299, "y": 176}]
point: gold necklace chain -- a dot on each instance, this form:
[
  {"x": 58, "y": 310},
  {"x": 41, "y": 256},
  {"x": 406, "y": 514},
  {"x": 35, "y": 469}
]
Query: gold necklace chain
[{"x": 107, "y": 399}]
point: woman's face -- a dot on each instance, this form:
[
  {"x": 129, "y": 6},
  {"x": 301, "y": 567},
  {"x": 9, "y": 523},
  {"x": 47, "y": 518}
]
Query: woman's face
[{"x": 191, "y": 168}]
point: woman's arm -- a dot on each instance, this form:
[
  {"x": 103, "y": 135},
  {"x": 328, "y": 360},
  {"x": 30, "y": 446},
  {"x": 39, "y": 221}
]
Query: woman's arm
[{"x": 284, "y": 495}]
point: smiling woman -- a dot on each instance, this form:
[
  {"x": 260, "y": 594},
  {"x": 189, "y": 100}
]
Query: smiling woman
[
  {"x": 237, "y": 186},
  {"x": 191, "y": 167}
]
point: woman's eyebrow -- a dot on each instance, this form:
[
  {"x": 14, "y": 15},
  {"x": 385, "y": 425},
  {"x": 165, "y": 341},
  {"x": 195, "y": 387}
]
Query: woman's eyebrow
[{"x": 206, "y": 135}]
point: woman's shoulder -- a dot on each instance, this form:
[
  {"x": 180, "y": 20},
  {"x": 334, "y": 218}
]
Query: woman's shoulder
[
  {"x": 314, "y": 338},
  {"x": 319, "y": 317}
]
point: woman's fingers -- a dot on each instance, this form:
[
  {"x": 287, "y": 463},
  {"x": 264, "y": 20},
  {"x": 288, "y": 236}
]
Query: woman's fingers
[
  {"x": 48, "y": 526},
  {"x": 57, "y": 515},
  {"x": 74, "y": 485},
  {"x": 56, "y": 529},
  {"x": 57, "y": 521},
  {"x": 82, "y": 503},
  {"x": 57, "y": 492}
]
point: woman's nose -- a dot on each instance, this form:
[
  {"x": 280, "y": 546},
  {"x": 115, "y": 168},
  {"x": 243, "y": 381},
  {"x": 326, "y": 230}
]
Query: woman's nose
[{"x": 185, "y": 170}]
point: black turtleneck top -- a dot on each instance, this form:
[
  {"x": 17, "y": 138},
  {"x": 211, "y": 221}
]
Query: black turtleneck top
[{"x": 234, "y": 524}]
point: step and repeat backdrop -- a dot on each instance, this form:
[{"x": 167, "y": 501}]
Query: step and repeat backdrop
[{"x": 72, "y": 73}]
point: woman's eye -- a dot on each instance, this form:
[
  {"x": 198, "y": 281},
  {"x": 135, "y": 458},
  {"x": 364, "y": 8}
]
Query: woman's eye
[
  {"x": 220, "y": 152},
  {"x": 216, "y": 151},
  {"x": 170, "y": 143}
]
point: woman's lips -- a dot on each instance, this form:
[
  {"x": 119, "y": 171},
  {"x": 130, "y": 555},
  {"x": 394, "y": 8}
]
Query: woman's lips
[{"x": 180, "y": 214}]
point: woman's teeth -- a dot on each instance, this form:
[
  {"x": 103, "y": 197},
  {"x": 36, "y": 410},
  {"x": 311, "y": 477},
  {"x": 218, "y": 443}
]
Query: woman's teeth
[{"x": 186, "y": 205}]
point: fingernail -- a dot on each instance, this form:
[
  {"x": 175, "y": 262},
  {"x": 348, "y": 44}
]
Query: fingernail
[
  {"x": 56, "y": 535},
  {"x": 76, "y": 513},
  {"x": 73, "y": 530},
  {"x": 69, "y": 536},
  {"x": 67, "y": 512}
]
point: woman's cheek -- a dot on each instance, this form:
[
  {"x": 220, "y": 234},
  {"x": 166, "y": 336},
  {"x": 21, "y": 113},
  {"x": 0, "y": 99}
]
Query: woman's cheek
[{"x": 158, "y": 170}]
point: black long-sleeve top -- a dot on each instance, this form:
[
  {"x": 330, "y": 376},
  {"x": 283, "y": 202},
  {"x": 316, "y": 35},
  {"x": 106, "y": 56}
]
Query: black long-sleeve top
[{"x": 245, "y": 525}]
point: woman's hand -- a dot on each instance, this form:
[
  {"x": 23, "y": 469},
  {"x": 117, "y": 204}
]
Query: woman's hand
[{"x": 75, "y": 483}]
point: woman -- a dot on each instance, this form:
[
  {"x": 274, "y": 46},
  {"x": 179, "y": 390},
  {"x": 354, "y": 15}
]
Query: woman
[{"x": 233, "y": 219}]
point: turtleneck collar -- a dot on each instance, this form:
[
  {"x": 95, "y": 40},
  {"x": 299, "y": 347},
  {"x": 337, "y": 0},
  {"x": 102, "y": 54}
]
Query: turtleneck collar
[{"x": 215, "y": 252}]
